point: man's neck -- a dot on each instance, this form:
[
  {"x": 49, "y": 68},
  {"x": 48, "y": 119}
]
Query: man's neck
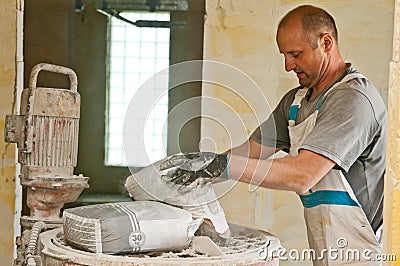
[{"x": 329, "y": 77}]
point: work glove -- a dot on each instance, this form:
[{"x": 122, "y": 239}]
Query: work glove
[
  {"x": 192, "y": 191},
  {"x": 195, "y": 168}
]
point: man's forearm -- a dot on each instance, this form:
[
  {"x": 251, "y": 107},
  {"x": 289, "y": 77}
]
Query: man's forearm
[
  {"x": 297, "y": 174},
  {"x": 252, "y": 149}
]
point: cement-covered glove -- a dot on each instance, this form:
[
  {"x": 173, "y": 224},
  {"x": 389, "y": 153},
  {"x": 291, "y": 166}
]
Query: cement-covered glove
[
  {"x": 197, "y": 197},
  {"x": 201, "y": 167}
]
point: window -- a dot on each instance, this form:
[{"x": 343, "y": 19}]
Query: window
[{"x": 135, "y": 55}]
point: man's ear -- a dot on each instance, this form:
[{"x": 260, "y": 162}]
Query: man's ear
[{"x": 327, "y": 42}]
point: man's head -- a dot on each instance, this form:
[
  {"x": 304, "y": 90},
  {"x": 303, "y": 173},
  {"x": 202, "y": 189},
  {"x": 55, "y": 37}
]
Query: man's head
[
  {"x": 307, "y": 37},
  {"x": 315, "y": 22}
]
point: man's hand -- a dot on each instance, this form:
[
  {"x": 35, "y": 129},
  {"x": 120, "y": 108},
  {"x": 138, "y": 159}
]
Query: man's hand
[{"x": 186, "y": 168}]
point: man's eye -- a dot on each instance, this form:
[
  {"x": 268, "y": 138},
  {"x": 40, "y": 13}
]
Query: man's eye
[{"x": 296, "y": 55}]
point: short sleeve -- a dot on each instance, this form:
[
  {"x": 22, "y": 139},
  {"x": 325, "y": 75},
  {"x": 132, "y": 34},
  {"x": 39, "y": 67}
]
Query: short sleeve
[{"x": 346, "y": 124}]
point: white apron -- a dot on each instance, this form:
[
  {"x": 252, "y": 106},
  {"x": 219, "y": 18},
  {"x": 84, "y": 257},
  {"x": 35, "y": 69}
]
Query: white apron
[{"x": 337, "y": 227}]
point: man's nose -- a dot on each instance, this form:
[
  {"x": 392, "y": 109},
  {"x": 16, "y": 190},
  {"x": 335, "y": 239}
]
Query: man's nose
[{"x": 289, "y": 64}]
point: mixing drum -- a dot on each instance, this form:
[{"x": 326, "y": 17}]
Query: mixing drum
[{"x": 246, "y": 247}]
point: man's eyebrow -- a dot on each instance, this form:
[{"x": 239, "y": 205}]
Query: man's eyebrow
[{"x": 291, "y": 52}]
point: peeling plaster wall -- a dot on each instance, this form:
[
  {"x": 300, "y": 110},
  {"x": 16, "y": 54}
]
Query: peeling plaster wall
[
  {"x": 242, "y": 34},
  {"x": 8, "y": 39}
]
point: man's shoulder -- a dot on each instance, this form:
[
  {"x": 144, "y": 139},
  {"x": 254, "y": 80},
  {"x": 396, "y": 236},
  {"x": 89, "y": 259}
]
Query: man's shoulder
[
  {"x": 359, "y": 81},
  {"x": 359, "y": 86},
  {"x": 360, "y": 95}
]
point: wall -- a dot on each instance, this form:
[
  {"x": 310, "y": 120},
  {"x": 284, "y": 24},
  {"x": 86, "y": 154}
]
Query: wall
[
  {"x": 49, "y": 38},
  {"x": 242, "y": 34},
  {"x": 8, "y": 67},
  {"x": 186, "y": 43},
  {"x": 391, "y": 237}
]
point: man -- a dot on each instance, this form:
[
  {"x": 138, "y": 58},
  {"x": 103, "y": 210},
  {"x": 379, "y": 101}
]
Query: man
[
  {"x": 336, "y": 142},
  {"x": 333, "y": 127}
]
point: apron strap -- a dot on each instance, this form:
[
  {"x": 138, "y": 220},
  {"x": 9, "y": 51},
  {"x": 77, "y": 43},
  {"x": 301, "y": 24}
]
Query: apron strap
[
  {"x": 301, "y": 93},
  {"x": 294, "y": 108},
  {"x": 344, "y": 80},
  {"x": 331, "y": 197}
]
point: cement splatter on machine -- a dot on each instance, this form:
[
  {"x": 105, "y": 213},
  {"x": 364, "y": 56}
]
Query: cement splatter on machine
[{"x": 46, "y": 133}]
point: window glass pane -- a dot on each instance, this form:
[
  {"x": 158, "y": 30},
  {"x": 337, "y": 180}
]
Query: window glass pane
[{"x": 135, "y": 55}]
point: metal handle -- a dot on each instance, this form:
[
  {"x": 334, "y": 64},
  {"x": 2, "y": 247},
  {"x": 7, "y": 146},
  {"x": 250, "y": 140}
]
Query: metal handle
[{"x": 53, "y": 68}]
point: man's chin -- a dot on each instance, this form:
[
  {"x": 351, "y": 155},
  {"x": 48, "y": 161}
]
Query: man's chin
[{"x": 304, "y": 84}]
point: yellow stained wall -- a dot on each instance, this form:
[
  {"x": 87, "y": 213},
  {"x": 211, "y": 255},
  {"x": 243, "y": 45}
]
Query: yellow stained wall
[
  {"x": 8, "y": 40},
  {"x": 242, "y": 34},
  {"x": 391, "y": 228}
]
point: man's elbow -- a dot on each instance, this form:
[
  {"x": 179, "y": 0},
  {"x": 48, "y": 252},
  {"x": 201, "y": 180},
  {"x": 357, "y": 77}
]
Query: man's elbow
[
  {"x": 310, "y": 169},
  {"x": 303, "y": 184}
]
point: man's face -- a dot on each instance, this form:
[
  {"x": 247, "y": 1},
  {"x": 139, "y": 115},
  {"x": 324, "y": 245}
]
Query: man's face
[{"x": 300, "y": 57}]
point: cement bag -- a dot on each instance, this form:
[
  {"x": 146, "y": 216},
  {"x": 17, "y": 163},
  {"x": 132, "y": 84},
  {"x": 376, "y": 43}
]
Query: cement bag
[
  {"x": 149, "y": 184},
  {"x": 200, "y": 200},
  {"x": 128, "y": 227}
]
